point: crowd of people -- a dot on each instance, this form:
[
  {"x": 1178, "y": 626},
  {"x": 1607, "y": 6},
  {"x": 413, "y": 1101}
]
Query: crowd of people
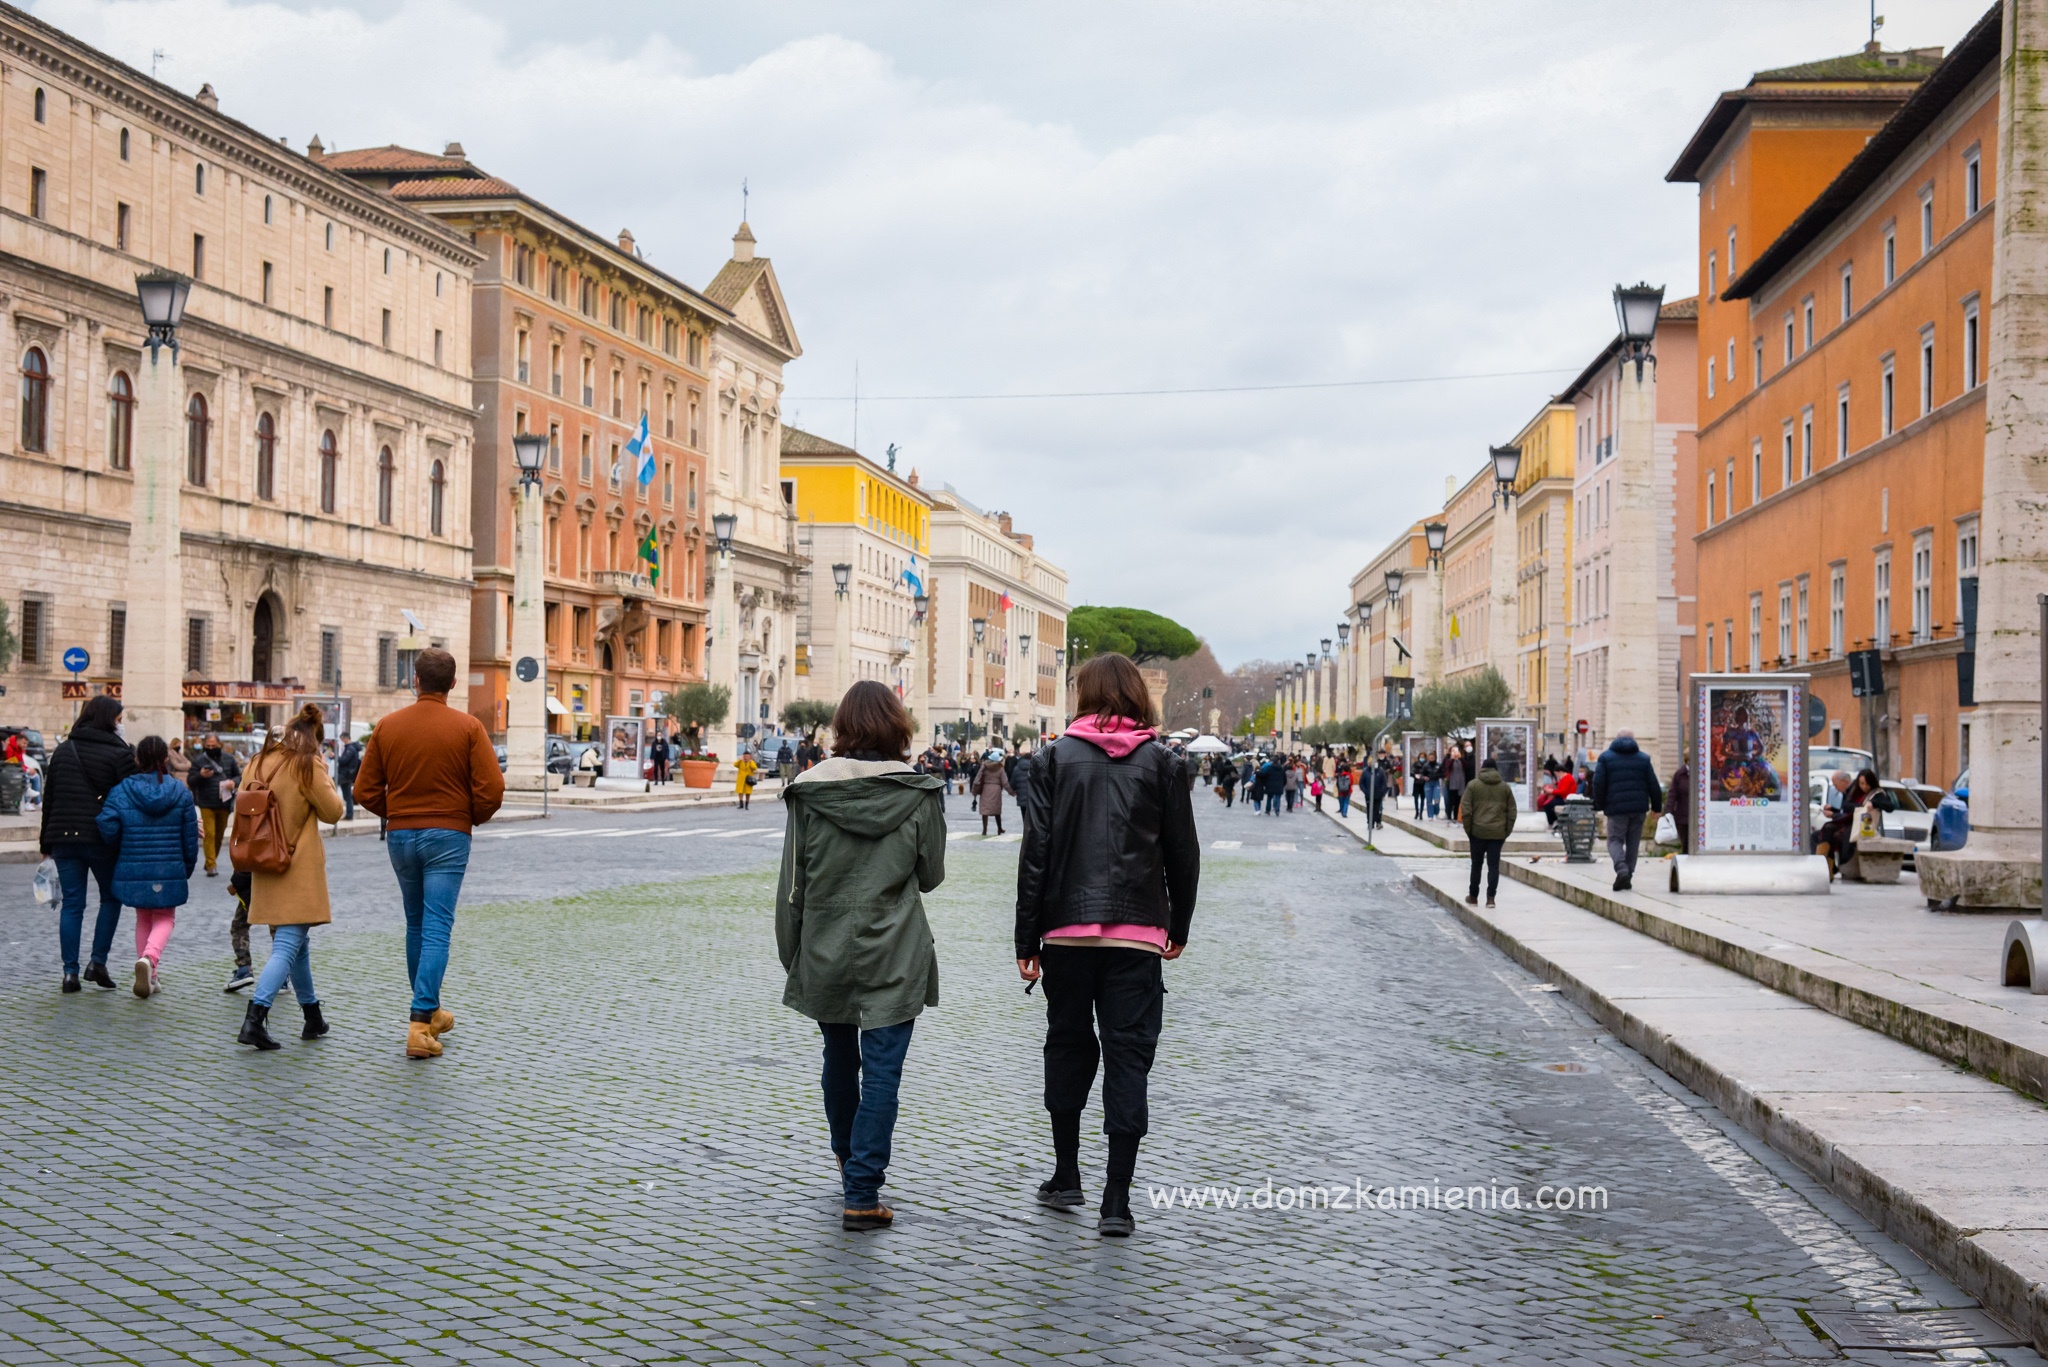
[{"x": 140, "y": 821}]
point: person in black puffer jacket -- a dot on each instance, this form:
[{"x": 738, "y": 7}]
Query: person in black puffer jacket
[
  {"x": 90, "y": 763},
  {"x": 1105, "y": 891},
  {"x": 1625, "y": 787}
]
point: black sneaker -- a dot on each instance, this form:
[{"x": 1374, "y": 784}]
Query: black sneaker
[
  {"x": 1114, "y": 1220},
  {"x": 1623, "y": 883},
  {"x": 71, "y": 983},
  {"x": 242, "y": 977},
  {"x": 97, "y": 975},
  {"x": 1059, "y": 1195}
]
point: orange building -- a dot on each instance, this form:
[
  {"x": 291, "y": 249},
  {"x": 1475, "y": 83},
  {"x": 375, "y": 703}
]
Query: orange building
[
  {"x": 577, "y": 336},
  {"x": 1845, "y": 267}
]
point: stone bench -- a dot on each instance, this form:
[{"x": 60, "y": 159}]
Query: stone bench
[{"x": 1877, "y": 861}]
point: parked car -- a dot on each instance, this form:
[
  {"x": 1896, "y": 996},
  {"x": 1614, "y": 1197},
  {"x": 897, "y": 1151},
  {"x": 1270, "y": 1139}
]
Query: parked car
[
  {"x": 31, "y": 741},
  {"x": 1831, "y": 757},
  {"x": 503, "y": 758}
]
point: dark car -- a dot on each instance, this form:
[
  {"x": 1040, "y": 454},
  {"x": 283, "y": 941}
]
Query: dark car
[{"x": 31, "y": 742}]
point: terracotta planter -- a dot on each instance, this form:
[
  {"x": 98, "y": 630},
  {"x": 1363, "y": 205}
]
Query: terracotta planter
[{"x": 698, "y": 773}]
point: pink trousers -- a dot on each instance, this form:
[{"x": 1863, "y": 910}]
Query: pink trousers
[{"x": 153, "y": 932}]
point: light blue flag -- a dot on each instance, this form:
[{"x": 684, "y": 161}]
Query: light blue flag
[
  {"x": 911, "y": 576},
  {"x": 642, "y": 446}
]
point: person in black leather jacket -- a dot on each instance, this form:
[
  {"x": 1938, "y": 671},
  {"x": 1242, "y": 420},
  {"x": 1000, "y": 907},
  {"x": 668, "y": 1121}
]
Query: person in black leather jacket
[
  {"x": 90, "y": 763},
  {"x": 1105, "y": 891}
]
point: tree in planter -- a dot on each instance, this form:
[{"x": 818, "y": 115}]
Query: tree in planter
[
  {"x": 808, "y": 716},
  {"x": 698, "y": 706}
]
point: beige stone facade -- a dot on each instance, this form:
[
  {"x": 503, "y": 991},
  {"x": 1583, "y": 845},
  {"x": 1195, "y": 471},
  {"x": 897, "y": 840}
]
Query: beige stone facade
[
  {"x": 324, "y": 376},
  {"x": 978, "y": 561}
]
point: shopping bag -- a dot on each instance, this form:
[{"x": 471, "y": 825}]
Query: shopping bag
[{"x": 1667, "y": 830}]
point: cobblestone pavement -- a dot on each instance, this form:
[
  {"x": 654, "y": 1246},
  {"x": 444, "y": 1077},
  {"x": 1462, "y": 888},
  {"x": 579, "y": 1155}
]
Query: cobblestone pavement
[{"x": 621, "y": 1157}]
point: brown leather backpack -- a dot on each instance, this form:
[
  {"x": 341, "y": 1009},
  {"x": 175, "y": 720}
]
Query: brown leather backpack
[{"x": 259, "y": 845}]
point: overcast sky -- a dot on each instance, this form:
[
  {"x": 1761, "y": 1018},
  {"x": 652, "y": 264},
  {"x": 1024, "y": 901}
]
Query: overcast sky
[{"x": 999, "y": 199}]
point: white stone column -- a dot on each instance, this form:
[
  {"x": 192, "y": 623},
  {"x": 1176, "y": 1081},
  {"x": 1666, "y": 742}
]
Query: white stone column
[
  {"x": 1500, "y": 607},
  {"x": 2001, "y": 866},
  {"x": 1635, "y": 686},
  {"x": 1280, "y": 713},
  {"x": 1427, "y": 663},
  {"x": 525, "y": 717},
  {"x": 722, "y": 661},
  {"x": 153, "y": 670},
  {"x": 842, "y": 643}
]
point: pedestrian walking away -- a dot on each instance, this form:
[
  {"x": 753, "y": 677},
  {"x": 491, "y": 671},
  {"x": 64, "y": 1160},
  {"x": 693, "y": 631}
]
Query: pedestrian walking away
[
  {"x": 1106, "y": 889},
  {"x": 150, "y": 824},
  {"x": 1625, "y": 788},
  {"x": 430, "y": 772},
  {"x": 214, "y": 775},
  {"x": 1020, "y": 775},
  {"x": 1344, "y": 789},
  {"x": 1489, "y": 819},
  {"x": 866, "y": 838},
  {"x": 293, "y": 901},
  {"x": 991, "y": 781},
  {"x": 347, "y": 765},
  {"x": 90, "y": 763}
]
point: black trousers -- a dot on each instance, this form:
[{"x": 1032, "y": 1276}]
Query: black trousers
[
  {"x": 1121, "y": 991},
  {"x": 1487, "y": 851}
]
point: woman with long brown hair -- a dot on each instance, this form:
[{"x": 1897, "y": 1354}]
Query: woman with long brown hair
[
  {"x": 1105, "y": 892},
  {"x": 293, "y": 902}
]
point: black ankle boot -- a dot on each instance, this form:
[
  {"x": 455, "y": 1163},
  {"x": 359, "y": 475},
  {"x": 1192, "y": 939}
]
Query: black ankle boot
[
  {"x": 253, "y": 1031},
  {"x": 1114, "y": 1221},
  {"x": 316, "y": 1024}
]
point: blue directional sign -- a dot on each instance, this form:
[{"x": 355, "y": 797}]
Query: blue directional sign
[{"x": 75, "y": 659}]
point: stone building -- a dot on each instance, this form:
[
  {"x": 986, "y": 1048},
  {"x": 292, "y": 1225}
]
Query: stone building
[
  {"x": 326, "y": 422},
  {"x": 1543, "y": 559},
  {"x": 578, "y": 336},
  {"x": 983, "y": 570}
]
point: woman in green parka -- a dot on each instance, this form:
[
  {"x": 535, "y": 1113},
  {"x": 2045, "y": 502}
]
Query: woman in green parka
[{"x": 867, "y": 836}]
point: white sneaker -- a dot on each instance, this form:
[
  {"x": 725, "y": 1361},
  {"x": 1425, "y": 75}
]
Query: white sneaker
[{"x": 145, "y": 978}]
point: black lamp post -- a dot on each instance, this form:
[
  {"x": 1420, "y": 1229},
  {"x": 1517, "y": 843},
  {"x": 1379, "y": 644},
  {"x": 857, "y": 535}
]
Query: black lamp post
[
  {"x": 722, "y": 525},
  {"x": 1343, "y": 634},
  {"x": 1636, "y": 308},
  {"x": 920, "y": 604},
  {"x": 842, "y": 575},
  {"x": 1433, "y": 535},
  {"x": 1507, "y": 463},
  {"x": 529, "y": 450},
  {"x": 1394, "y": 578},
  {"x": 163, "y": 295}
]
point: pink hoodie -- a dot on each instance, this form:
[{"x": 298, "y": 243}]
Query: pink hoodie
[{"x": 1114, "y": 736}]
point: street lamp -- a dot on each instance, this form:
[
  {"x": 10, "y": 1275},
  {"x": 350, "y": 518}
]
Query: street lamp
[
  {"x": 526, "y": 691},
  {"x": 980, "y": 626},
  {"x": 722, "y": 525},
  {"x": 919, "y": 604},
  {"x": 163, "y": 294},
  {"x": 1059, "y": 659},
  {"x": 1326, "y": 649},
  {"x": 1343, "y": 634},
  {"x": 529, "y": 450},
  {"x": 1507, "y": 463},
  {"x": 1365, "y": 617},
  {"x": 842, "y": 574},
  {"x": 1433, "y": 536},
  {"x": 1394, "y": 578},
  {"x": 1636, "y": 307}
]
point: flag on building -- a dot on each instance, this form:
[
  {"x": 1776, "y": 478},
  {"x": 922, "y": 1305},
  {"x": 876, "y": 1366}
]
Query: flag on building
[
  {"x": 641, "y": 448},
  {"x": 652, "y": 555},
  {"x": 1454, "y": 626},
  {"x": 911, "y": 576},
  {"x": 1007, "y": 603}
]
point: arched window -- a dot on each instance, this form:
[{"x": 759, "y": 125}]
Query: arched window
[
  {"x": 35, "y": 401},
  {"x": 266, "y": 457},
  {"x": 387, "y": 474},
  {"x": 437, "y": 491},
  {"x": 121, "y": 422},
  {"x": 195, "y": 440},
  {"x": 330, "y": 472},
  {"x": 39, "y": 104},
  {"x": 266, "y": 208},
  {"x": 124, "y": 144},
  {"x": 199, "y": 178}
]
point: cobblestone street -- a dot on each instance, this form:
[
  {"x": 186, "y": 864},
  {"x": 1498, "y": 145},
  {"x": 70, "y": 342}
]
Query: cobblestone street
[{"x": 622, "y": 1158}]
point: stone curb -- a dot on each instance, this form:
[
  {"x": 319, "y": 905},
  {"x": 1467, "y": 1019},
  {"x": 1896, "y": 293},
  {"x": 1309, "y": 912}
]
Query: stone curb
[
  {"x": 1453, "y": 838},
  {"x": 2008, "y": 1291},
  {"x": 2011, "y": 1064}
]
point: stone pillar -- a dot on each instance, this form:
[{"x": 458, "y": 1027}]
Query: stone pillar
[
  {"x": 525, "y": 717},
  {"x": 1427, "y": 663},
  {"x": 1501, "y": 597},
  {"x": 1635, "y": 686},
  {"x": 2001, "y": 866},
  {"x": 1340, "y": 706},
  {"x": 1280, "y": 714},
  {"x": 153, "y": 670},
  {"x": 722, "y": 660},
  {"x": 842, "y": 643}
]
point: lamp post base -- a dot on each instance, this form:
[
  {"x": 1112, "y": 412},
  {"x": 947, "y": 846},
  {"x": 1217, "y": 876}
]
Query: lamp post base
[{"x": 1996, "y": 871}]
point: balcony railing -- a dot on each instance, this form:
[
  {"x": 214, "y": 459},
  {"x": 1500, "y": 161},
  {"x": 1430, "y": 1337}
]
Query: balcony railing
[{"x": 625, "y": 583}]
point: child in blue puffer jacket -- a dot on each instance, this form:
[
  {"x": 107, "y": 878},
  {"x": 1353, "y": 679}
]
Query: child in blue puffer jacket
[{"x": 151, "y": 824}]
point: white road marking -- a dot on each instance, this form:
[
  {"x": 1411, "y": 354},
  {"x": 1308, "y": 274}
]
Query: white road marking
[
  {"x": 1227, "y": 845},
  {"x": 647, "y": 830},
  {"x": 1278, "y": 845},
  {"x": 556, "y": 835},
  {"x": 958, "y": 835},
  {"x": 1003, "y": 839},
  {"x": 732, "y": 835},
  {"x": 678, "y": 835}
]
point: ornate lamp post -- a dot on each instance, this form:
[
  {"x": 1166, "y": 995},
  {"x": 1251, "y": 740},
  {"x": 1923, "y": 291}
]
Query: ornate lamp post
[
  {"x": 526, "y": 689},
  {"x": 977, "y": 669},
  {"x": 153, "y": 673},
  {"x": 1636, "y": 308},
  {"x": 842, "y": 628},
  {"x": 1433, "y": 536}
]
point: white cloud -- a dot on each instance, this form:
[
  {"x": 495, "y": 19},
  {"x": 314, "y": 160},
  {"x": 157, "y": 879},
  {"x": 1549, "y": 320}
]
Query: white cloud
[{"x": 1072, "y": 196}]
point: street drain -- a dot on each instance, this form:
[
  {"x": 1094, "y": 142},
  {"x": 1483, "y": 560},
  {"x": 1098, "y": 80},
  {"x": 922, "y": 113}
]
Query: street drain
[
  {"x": 1572, "y": 1067},
  {"x": 1916, "y": 1331}
]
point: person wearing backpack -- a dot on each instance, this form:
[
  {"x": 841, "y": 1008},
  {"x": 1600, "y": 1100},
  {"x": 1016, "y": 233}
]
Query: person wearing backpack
[
  {"x": 285, "y": 796},
  {"x": 83, "y": 770},
  {"x": 151, "y": 824}
]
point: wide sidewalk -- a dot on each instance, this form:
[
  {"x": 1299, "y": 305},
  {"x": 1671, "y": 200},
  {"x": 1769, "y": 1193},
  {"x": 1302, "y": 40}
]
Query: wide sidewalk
[{"x": 1862, "y": 1035}]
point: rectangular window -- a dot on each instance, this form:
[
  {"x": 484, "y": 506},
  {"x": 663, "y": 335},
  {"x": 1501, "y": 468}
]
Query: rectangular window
[
  {"x": 668, "y": 483},
  {"x": 1801, "y": 643},
  {"x": 1785, "y": 456},
  {"x": 1709, "y": 636},
  {"x": 1848, "y": 291},
  {"x": 266, "y": 281},
  {"x": 583, "y": 462},
  {"x": 1973, "y": 182},
  {"x": 1805, "y": 442},
  {"x": 614, "y": 477},
  {"x": 1710, "y": 498},
  {"x": 693, "y": 491},
  {"x": 387, "y": 661},
  {"x": 1784, "y": 622},
  {"x": 117, "y": 637},
  {"x": 1712, "y": 287},
  {"x": 120, "y": 227},
  {"x": 1756, "y": 472},
  {"x": 1788, "y": 339},
  {"x": 1842, "y": 423},
  {"x": 1887, "y": 395},
  {"x": 555, "y": 448},
  {"x": 330, "y": 656},
  {"x": 522, "y": 264},
  {"x": 198, "y": 256},
  {"x": 34, "y": 631},
  {"x": 1728, "y": 642},
  {"x": 1838, "y": 601},
  {"x": 1731, "y": 251},
  {"x": 1966, "y": 561},
  {"x": 1756, "y": 379},
  {"x": 38, "y": 192},
  {"x": 195, "y": 645},
  {"x": 1927, "y": 220},
  {"x": 1729, "y": 485},
  {"x": 1973, "y": 367},
  {"x": 589, "y": 382},
  {"x": 384, "y": 329},
  {"x": 668, "y": 414},
  {"x": 1891, "y": 254},
  {"x": 1756, "y": 631},
  {"x": 618, "y": 394},
  {"x": 522, "y": 356},
  {"x": 1710, "y": 377},
  {"x": 555, "y": 369},
  {"x": 437, "y": 347},
  {"x": 1927, "y": 370},
  {"x": 327, "y": 305},
  {"x": 1731, "y": 360},
  {"x": 1923, "y": 587},
  {"x": 1806, "y": 323},
  {"x": 1881, "y": 617}
]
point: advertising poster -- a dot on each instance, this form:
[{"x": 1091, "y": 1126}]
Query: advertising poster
[
  {"x": 1509, "y": 742},
  {"x": 624, "y": 741},
  {"x": 1415, "y": 747},
  {"x": 1750, "y": 756}
]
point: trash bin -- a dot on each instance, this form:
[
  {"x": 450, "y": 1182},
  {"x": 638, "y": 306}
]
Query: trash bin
[
  {"x": 1575, "y": 822},
  {"x": 1951, "y": 824},
  {"x": 13, "y": 783}
]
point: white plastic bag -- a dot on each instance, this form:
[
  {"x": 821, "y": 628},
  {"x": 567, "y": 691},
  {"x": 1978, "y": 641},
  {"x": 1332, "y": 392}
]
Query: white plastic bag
[
  {"x": 1667, "y": 830},
  {"x": 46, "y": 881}
]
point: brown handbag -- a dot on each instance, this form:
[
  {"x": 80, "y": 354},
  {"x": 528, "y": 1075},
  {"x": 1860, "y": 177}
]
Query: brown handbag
[{"x": 258, "y": 845}]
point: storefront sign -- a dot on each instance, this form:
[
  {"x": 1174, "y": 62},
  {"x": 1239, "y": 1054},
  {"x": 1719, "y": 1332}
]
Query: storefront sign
[
  {"x": 195, "y": 690},
  {"x": 1749, "y": 763}
]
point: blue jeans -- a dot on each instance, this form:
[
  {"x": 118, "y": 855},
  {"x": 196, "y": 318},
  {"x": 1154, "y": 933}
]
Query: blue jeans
[
  {"x": 863, "y": 1069},
  {"x": 73, "y": 862},
  {"x": 291, "y": 955},
  {"x": 429, "y": 864},
  {"x": 1343, "y": 804},
  {"x": 1273, "y": 804}
]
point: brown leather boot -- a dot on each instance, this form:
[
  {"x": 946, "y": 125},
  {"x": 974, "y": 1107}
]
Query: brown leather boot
[
  {"x": 420, "y": 1041},
  {"x": 442, "y": 1023}
]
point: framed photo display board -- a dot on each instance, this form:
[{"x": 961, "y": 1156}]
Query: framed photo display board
[
  {"x": 1749, "y": 763},
  {"x": 1416, "y": 746},
  {"x": 1510, "y": 742},
  {"x": 624, "y": 742}
]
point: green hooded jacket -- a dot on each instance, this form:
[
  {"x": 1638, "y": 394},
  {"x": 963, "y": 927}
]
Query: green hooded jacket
[
  {"x": 866, "y": 838},
  {"x": 1488, "y": 808}
]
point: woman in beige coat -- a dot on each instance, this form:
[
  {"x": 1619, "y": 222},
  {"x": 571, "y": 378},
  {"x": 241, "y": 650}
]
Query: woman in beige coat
[{"x": 293, "y": 902}]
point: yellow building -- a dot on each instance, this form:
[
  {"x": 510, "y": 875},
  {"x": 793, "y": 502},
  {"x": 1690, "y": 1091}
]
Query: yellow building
[
  {"x": 1543, "y": 558},
  {"x": 855, "y": 513}
]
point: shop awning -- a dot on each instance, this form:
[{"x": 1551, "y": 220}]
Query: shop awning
[{"x": 555, "y": 708}]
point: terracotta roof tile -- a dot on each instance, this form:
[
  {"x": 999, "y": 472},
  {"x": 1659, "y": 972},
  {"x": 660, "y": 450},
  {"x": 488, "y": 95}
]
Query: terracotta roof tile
[
  {"x": 797, "y": 442},
  {"x": 733, "y": 281},
  {"x": 453, "y": 187},
  {"x": 391, "y": 157}
]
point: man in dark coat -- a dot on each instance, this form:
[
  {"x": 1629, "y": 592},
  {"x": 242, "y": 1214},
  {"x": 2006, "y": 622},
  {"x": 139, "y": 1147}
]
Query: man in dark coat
[
  {"x": 82, "y": 771},
  {"x": 1678, "y": 802},
  {"x": 346, "y": 766},
  {"x": 1625, "y": 787}
]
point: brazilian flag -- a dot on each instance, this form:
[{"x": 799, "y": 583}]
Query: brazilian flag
[{"x": 652, "y": 555}]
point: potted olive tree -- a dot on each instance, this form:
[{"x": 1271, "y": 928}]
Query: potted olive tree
[{"x": 698, "y": 707}]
